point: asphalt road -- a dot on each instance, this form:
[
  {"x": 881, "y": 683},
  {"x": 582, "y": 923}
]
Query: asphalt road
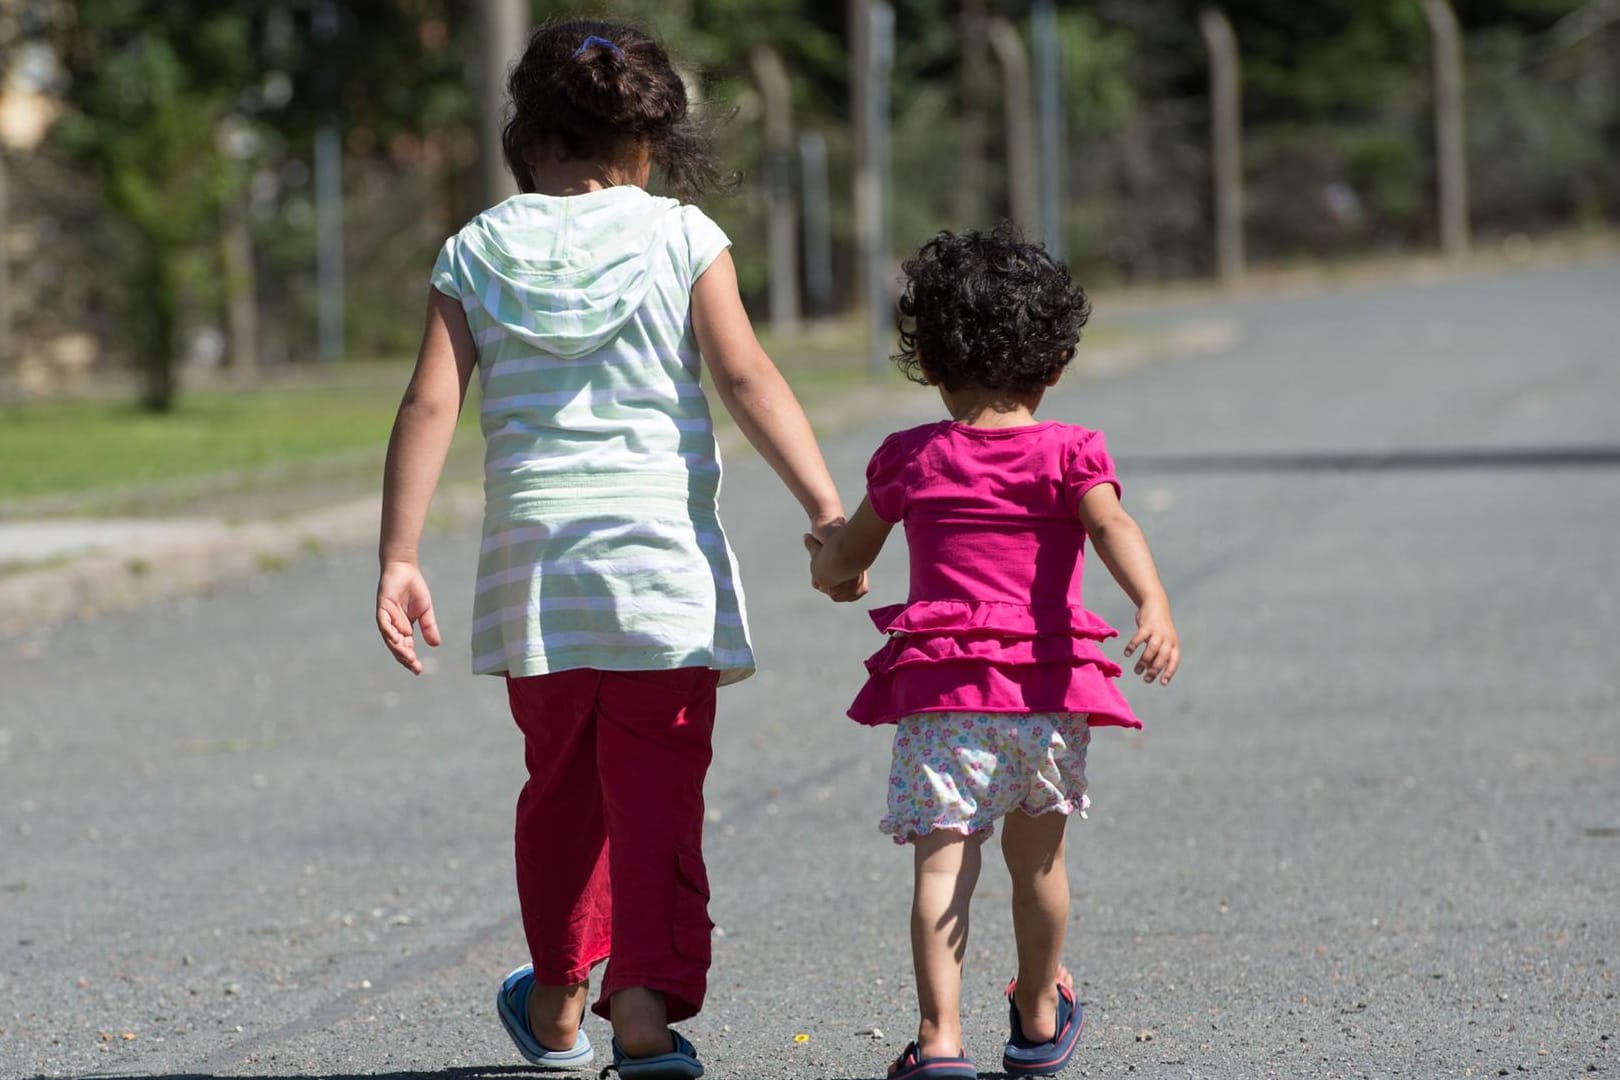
[{"x": 1372, "y": 830}]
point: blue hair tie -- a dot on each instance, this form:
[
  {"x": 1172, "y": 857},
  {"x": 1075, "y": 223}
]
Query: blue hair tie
[{"x": 594, "y": 40}]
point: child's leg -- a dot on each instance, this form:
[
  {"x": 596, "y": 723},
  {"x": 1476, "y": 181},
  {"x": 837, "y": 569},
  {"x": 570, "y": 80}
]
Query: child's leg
[
  {"x": 561, "y": 849},
  {"x": 947, "y": 869},
  {"x": 1033, "y": 847},
  {"x": 653, "y": 751}
]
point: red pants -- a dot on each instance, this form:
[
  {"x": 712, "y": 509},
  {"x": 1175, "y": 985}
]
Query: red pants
[{"x": 610, "y": 829}]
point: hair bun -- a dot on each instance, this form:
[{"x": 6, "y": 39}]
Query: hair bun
[
  {"x": 606, "y": 87},
  {"x": 600, "y": 52},
  {"x": 586, "y": 85}
]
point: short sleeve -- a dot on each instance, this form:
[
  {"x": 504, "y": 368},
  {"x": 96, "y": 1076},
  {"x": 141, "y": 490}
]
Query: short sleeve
[
  {"x": 1087, "y": 463},
  {"x": 885, "y": 487},
  {"x": 704, "y": 241},
  {"x": 445, "y": 277}
]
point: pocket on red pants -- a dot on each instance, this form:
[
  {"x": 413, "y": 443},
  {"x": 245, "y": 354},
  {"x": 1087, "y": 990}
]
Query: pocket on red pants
[{"x": 692, "y": 928}]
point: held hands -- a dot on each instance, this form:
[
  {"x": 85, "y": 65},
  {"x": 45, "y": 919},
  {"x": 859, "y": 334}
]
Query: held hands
[
  {"x": 402, "y": 602},
  {"x": 841, "y": 592},
  {"x": 1160, "y": 645}
]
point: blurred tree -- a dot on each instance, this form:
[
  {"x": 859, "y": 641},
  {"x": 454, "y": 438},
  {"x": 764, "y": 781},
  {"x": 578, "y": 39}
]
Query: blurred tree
[
  {"x": 198, "y": 119},
  {"x": 1337, "y": 143},
  {"x": 171, "y": 105},
  {"x": 147, "y": 93}
]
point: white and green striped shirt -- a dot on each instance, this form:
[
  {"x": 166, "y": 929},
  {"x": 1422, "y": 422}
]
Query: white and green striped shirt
[{"x": 602, "y": 544}]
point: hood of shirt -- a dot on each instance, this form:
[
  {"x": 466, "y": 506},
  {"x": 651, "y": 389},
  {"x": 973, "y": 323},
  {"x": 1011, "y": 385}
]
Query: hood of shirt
[{"x": 565, "y": 273}]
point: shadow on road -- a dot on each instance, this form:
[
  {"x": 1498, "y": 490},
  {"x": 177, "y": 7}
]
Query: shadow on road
[
  {"x": 1466, "y": 457},
  {"x": 473, "y": 1072},
  {"x": 461, "y": 1073}
]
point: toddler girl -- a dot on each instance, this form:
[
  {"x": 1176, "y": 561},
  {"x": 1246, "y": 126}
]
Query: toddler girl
[
  {"x": 992, "y": 673},
  {"x": 607, "y": 596}
]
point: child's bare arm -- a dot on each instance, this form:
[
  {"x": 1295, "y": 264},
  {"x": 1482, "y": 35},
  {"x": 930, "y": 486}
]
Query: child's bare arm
[
  {"x": 1124, "y": 550},
  {"x": 758, "y": 397},
  {"x": 847, "y": 552},
  {"x": 423, "y": 428}
]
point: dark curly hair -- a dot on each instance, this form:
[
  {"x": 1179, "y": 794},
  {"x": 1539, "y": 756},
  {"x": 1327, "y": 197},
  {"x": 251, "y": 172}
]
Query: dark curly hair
[
  {"x": 987, "y": 309},
  {"x": 589, "y": 96}
]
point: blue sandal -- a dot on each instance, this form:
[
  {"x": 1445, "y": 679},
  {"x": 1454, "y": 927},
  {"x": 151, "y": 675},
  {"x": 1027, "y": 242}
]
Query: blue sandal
[
  {"x": 1024, "y": 1058},
  {"x": 680, "y": 1063},
  {"x": 911, "y": 1065},
  {"x": 512, "y": 1006}
]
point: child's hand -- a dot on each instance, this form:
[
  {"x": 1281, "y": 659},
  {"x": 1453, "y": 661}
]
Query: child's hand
[
  {"x": 403, "y": 600},
  {"x": 1161, "y": 647},
  {"x": 841, "y": 592}
]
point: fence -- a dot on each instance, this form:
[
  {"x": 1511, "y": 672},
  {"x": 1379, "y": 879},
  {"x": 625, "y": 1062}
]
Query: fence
[{"x": 1541, "y": 119}]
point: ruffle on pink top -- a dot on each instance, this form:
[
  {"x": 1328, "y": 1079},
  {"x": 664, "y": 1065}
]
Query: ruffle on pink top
[
  {"x": 990, "y": 617},
  {"x": 991, "y": 514},
  {"x": 988, "y": 656}
]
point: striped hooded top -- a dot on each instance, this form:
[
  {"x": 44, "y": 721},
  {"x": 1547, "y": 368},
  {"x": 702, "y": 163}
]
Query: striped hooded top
[{"x": 602, "y": 544}]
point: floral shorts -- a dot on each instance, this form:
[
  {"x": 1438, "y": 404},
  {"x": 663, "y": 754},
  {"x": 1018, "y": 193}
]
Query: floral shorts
[{"x": 964, "y": 770}]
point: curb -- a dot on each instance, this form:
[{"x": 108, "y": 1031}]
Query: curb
[{"x": 139, "y": 573}]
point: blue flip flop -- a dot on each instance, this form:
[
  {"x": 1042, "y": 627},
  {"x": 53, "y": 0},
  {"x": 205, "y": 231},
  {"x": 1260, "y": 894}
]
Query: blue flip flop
[
  {"x": 680, "y": 1063},
  {"x": 1024, "y": 1058},
  {"x": 911, "y": 1065},
  {"x": 512, "y": 1006}
]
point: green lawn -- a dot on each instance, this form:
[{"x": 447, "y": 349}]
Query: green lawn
[
  {"x": 289, "y": 446},
  {"x": 63, "y": 447},
  {"x": 244, "y": 452}
]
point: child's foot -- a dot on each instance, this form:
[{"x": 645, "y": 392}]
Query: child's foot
[
  {"x": 912, "y": 1065},
  {"x": 1028, "y": 1054},
  {"x": 641, "y": 1023},
  {"x": 1038, "y": 1006},
  {"x": 679, "y": 1061},
  {"x": 937, "y": 1041},
  {"x": 644, "y": 1044},
  {"x": 555, "y": 1012},
  {"x": 513, "y": 1002}
]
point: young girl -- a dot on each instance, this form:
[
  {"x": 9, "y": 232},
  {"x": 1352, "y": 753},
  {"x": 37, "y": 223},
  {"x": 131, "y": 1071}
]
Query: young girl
[
  {"x": 992, "y": 673},
  {"x": 607, "y": 595}
]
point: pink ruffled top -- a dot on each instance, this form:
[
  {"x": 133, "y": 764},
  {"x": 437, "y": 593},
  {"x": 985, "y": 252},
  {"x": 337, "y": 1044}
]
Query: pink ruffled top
[{"x": 994, "y": 622}]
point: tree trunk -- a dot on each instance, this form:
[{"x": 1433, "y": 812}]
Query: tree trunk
[
  {"x": 1018, "y": 104},
  {"x": 153, "y": 294}
]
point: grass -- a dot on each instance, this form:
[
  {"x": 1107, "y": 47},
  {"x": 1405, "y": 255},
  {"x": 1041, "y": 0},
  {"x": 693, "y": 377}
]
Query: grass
[
  {"x": 67, "y": 446},
  {"x": 318, "y": 438},
  {"x": 231, "y": 448},
  {"x": 291, "y": 445}
]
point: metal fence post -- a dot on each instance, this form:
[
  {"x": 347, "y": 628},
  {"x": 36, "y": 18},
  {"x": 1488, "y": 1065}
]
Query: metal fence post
[
  {"x": 782, "y": 224},
  {"x": 1451, "y": 150},
  {"x": 973, "y": 165},
  {"x": 1043, "y": 32},
  {"x": 1226, "y": 141},
  {"x": 818, "y": 282},
  {"x": 241, "y": 287},
  {"x": 503, "y": 25},
  {"x": 328, "y": 199},
  {"x": 873, "y": 32},
  {"x": 5, "y": 275}
]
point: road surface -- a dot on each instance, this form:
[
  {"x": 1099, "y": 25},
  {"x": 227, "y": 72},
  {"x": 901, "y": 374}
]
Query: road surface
[{"x": 1372, "y": 830}]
